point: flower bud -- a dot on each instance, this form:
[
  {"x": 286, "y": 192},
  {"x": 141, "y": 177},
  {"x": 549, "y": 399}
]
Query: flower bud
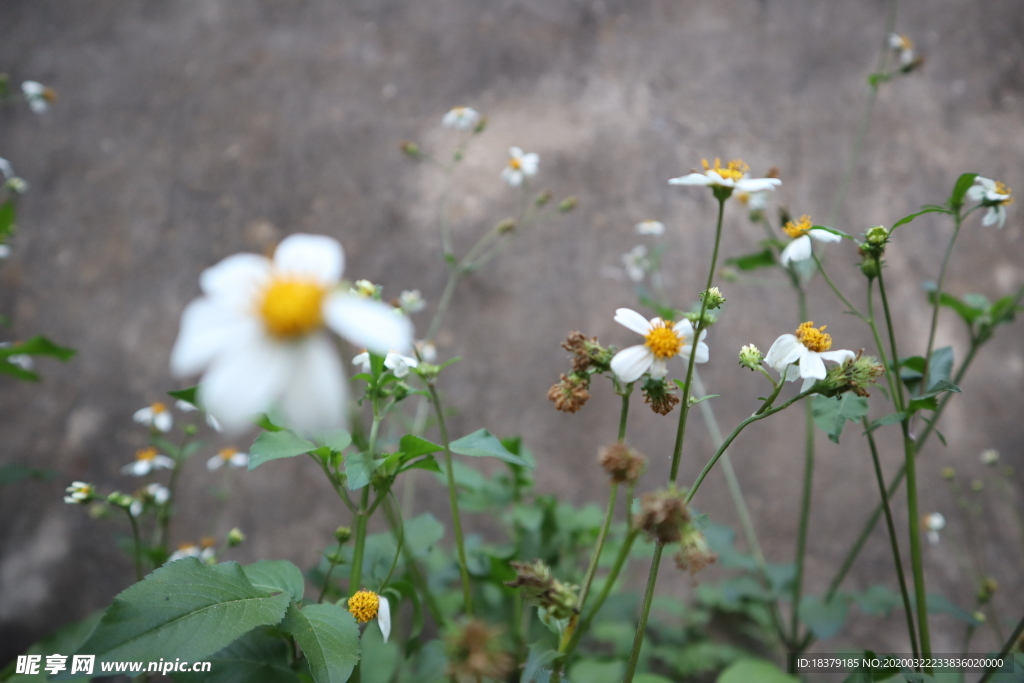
[
  {"x": 751, "y": 357},
  {"x": 712, "y": 298},
  {"x": 411, "y": 149},
  {"x": 342, "y": 534},
  {"x": 622, "y": 463},
  {"x": 506, "y": 226},
  {"x": 568, "y": 204},
  {"x": 539, "y": 587},
  {"x": 705, "y": 322},
  {"x": 660, "y": 395},
  {"x": 543, "y": 198},
  {"x": 987, "y": 589},
  {"x": 877, "y": 236},
  {"x": 235, "y": 538},
  {"x": 364, "y": 288},
  {"x": 481, "y": 126},
  {"x": 948, "y": 473},
  {"x": 80, "y": 493},
  {"x": 662, "y": 515},
  {"x": 694, "y": 552},
  {"x": 977, "y": 485},
  {"x": 121, "y": 500}
]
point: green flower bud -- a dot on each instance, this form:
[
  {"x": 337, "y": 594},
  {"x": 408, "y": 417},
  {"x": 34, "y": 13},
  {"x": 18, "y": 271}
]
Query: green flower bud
[
  {"x": 411, "y": 149},
  {"x": 235, "y": 538},
  {"x": 712, "y": 298},
  {"x": 568, "y": 204},
  {"x": 543, "y": 198},
  {"x": 121, "y": 500},
  {"x": 877, "y": 236},
  {"x": 506, "y": 226},
  {"x": 342, "y": 534},
  {"x": 751, "y": 357}
]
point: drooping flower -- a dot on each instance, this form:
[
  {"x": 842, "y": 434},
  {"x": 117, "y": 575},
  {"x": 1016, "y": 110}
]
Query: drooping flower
[
  {"x": 904, "y": 47},
  {"x": 393, "y": 361},
  {"x": 38, "y": 96},
  {"x": 461, "y": 118},
  {"x": 259, "y": 334},
  {"x": 933, "y": 523},
  {"x": 994, "y": 195},
  {"x": 520, "y": 166},
  {"x": 802, "y": 233},
  {"x": 79, "y": 493},
  {"x": 147, "y": 460},
  {"x": 732, "y": 177},
  {"x": 152, "y": 493},
  {"x": 155, "y": 416},
  {"x": 803, "y": 354},
  {"x": 365, "y": 605},
  {"x": 662, "y": 340},
  {"x": 636, "y": 263},
  {"x": 227, "y": 456},
  {"x": 650, "y": 228}
]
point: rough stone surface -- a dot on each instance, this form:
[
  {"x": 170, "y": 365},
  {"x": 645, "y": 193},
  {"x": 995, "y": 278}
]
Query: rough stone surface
[{"x": 186, "y": 132}]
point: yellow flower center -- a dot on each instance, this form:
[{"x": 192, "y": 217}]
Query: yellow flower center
[
  {"x": 207, "y": 542},
  {"x": 734, "y": 170},
  {"x": 799, "y": 228},
  {"x": 663, "y": 340},
  {"x": 292, "y": 307},
  {"x": 814, "y": 339},
  {"x": 145, "y": 454},
  {"x": 158, "y": 408},
  {"x": 514, "y": 163},
  {"x": 226, "y": 453},
  {"x": 906, "y": 43},
  {"x": 1001, "y": 188},
  {"x": 363, "y": 605}
]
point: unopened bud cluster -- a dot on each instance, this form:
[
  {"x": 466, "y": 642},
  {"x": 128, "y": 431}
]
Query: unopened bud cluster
[
  {"x": 712, "y": 298},
  {"x": 871, "y": 251},
  {"x": 855, "y": 374},
  {"x": 539, "y": 587},
  {"x": 751, "y": 357}
]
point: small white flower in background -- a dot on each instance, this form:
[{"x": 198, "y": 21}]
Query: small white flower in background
[
  {"x": 22, "y": 360},
  {"x": 155, "y": 493},
  {"x": 733, "y": 176},
  {"x": 5, "y": 251},
  {"x": 461, "y": 118},
  {"x": 155, "y": 416},
  {"x": 754, "y": 201},
  {"x": 636, "y": 263},
  {"x": 662, "y": 340},
  {"x": 803, "y": 354},
  {"x": 903, "y": 46},
  {"x": 426, "y": 350},
  {"x": 186, "y": 407},
  {"x": 363, "y": 288},
  {"x": 650, "y": 228},
  {"x": 17, "y": 185},
  {"x": 38, "y": 96},
  {"x": 259, "y": 335},
  {"x": 933, "y": 523},
  {"x": 6, "y": 168},
  {"x": 365, "y": 605},
  {"x": 989, "y": 456},
  {"x": 147, "y": 460},
  {"x": 802, "y": 232},
  {"x": 393, "y": 361},
  {"x": 993, "y": 194},
  {"x": 228, "y": 456},
  {"x": 205, "y": 551},
  {"x": 520, "y": 166},
  {"x": 411, "y": 301},
  {"x": 79, "y": 493}
]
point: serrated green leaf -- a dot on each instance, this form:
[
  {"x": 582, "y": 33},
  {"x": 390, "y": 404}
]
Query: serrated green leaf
[
  {"x": 185, "y": 609},
  {"x": 187, "y": 395},
  {"x": 760, "y": 259},
  {"x": 965, "y": 310},
  {"x": 276, "y": 576},
  {"x": 832, "y": 414},
  {"x": 825, "y": 619},
  {"x": 963, "y": 183},
  {"x": 414, "y": 446},
  {"x": 329, "y": 638},
  {"x": 482, "y": 443},
  {"x": 750, "y": 670},
  {"x": 359, "y": 469},
  {"x": 540, "y": 656},
  {"x": 274, "y": 445},
  {"x": 259, "y": 656}
]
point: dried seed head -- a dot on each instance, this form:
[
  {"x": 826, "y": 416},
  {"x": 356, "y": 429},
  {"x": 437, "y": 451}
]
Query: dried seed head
[
  {"x": 662, "y": 515},
  {"x": 661, "y": 397},
  {"x": 622, "y": 463},
  {"x": 539, "y": 587},
  {"x": 569, "y": 393},
  {"x": 694, "y": 552},
  {"x": 475, "y": 652}
]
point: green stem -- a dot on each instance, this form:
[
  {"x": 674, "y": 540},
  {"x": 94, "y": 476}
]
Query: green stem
[
  {"x": 606, "y": 589},
  {"x": 602, "y": 535},
  {"x": 805, "y": 516},
  {"x": 898, "y": 397},
  {"x": 391, "y": 513},
  {"x": 925, "y": 383},
  {"x": 453, "y": 499},
  {"x": 624, "y": 413},
  {"x": 442, "y": 305},
  {"x": 327, "y": 578},
  {"x": 641, "y": 627},
  {"x": 137, "y": 544},
  {"x": 362, "y": 515},
  {"x": 1007, "y": 649},
  {"x": 828, "y": 280}
]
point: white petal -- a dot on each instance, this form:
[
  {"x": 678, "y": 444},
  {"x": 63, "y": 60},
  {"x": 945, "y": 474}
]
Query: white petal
[
  {"x": 702, "y": 353},
  {"x": 512, "y": 176},
  {"x": 384, "y": 617},
  {"x": 658, "y": 368},
  {"x": 632, "y": 362},
  {"x": 792, "y": 373},
  {"x": 6, "y": 168},
  {"x": 135, "y": 509},
  {"x": 215, "y": 463},
  {"x": 684, "y": 328},
  {"x": 838, "y": 356},
  {"x": 807, "y": 384},
  {"x": 632, "y": 320},
  {"x": 757, "y": 184},
  {"x": 138, "y": 468},
  {"x": 314, "y": 256},
  {"x": 515, "y": 152},
  {"x": 240, "y": 459},
  {"x": 237, "y": 279},
  {"x": 207, "y": 330},
  {"x": 692, "y": 179},
  {"x": 991, "y": 216},
  {"x": 811, "y": 365},
  {"x": 368, "y": 323},
  {"x": 314, "y": 397},
  {"x": 163, "y": 421},
  {"x": 1001, "y": 214},
  {"x": 529, "y": 163},
  {"x": 824, "y": 235},
  {"x": 246, "y": 381},
  {"x": 785, "y": 350},
  {"x": 143, "y": 415},
  {"x": 163, "y": 461},
  {"x": 797, "y": 250},
  {"x": 976, "y": 192}
]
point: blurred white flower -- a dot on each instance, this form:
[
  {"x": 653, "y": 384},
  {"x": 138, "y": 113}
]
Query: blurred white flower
[
  {"x": 662, "y": 340},
  {"x": 186, "y": 407},
  {"x": 205, "y": 551},
  {"x": 147, "y": 460},
  {"x": 733, "y": 176},
  {"x": 650, "y": 228},
  {"x": 755, "y": 201},
  {"x": 228, "y": 456},
  {"x": 259, "y": 334},
  {"x": 426, "y": 350},
  {"x": 904, "y": 47},
  {"x": 38, "y": 96},
  {"x": 803, "y": 354},
  {"x": 79, "y": 493},
  {"x": 993, "y": 194},
  {"x": 802, "y": 233},
  {"x": 636, "y": 263},
  {"x": 461, "y": 118},
  {"x": 152, "y": 493},
  {"x": 411, "y": 301},
  {"x": 22, "y": 360},
  {"x": 933, "y": 523},
  {"x": 989, "y": 456},
  {"x": 520, "y": 166},
  {"x": 394, "y": 361},
  {"x": 155, "y": 416}
]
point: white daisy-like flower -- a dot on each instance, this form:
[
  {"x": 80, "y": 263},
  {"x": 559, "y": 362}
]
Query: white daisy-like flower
[
  {"x": 989, "y": 456},
  {"x": 393, "y": 361},
  {"x": 994, "y": 195},
  {"x": 802, "y": 232},
  {"x": 147, "y": 460},
  {"x": 363, "y": 288},
  {"x": 733, "y": 176},
  {"x": 260, "y": 334},
  {"x": 155, "y": 416},
  {"x": 228, "y": 456},
  {"x": 803, "y": 354},
  {"x": 426, "y": 350},
  {"x": 636, "y": 263},
  {"x": 520, "y": 166},
  {"x": 662, "y": 340},
  {"x": 205, "y": 551},
  {"x": 79, "y": 493},
  {"x": 461, "y": 118},
  {"x": 366, "y": 605},
  {"x": 650, "y": 228},
  {"x": 154, "y": 493},
  {"x": 754, "y": 201},
  {"x": 904, "y": 47},
  {"x": 933, "y": 523},
  {"x": 411, "y": 301},
  {"x": 38, "y": 96}
]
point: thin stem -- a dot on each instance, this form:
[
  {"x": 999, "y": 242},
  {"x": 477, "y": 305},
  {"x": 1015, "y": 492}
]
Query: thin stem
[
  {"x": 602, "y": 535},
  {"x": 925, "y": 383},
  {"x": 805, "y": 516},
  {"x": 1007, "y": 648},
  {"x": 828, "y": 280},
  {"x": 442, "y": 305},
  {"x": 898, "y": 397},
  {"x": 356, "y": 575},
  {"x": 891, "y": 372},
  {"x": 327, "y": 577},
  {"x": 624, "y": 413},
  {"x": 137, "y": 544},
  {"x": 453, "y": 500},
  {"x": 641, "y": 627},
  {"x": 606, "y": 589}
]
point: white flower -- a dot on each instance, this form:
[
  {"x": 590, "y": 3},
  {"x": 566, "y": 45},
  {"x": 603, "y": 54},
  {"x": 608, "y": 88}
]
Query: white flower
[
  {"x": 365, "y": 605},
  {"x": 17, "y": 185},
  {"x": 155, "y": 493},
  {"x": 363, "y": 288},
  {"x": 904, "y": 46},
  {"x": 933, "y": 523},
  {"x": 800, "y": 248},
  {"x": 993, "y": 194},
  {"x": 461, "y": 118},
  {"x": 989, "y": 456},
  {"x": 411, "y": 301},
  {"x": 147, "y": 460},
  {"x": 520, "y": 166},
  {"x": 650, "y": 228},
  {"x": 38, "y": 96},
  {"x": 662, "y": 340},
  {"x": 803, "y": 354},
  {"x": 260, "y": 334},
  {"x": 79, "y": 493},
  {"x": 755, "y": 201},
  {"x": 426, "y": 350},
  {"x": 636, "y": 263},
  {"x": 155, "y": 416},
  {"x": 204, "y": 551},
  {"x": 733, "y": 176},
  {"x": 6, "y": 168},
  {"x": 393, "y": 361},
  {"x": 227, "y": 456}
]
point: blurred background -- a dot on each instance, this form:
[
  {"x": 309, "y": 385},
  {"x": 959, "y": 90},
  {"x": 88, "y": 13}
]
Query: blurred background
[{"x": 186, "y": 132}]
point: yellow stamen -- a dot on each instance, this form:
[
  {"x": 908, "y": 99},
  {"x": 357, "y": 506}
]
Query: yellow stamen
[
  {"x": 734, "y": 170},
  {"x": 662, "y": 340},
  {"x": 207, "y": 542},
  {"x": 799, "y": 228},
  {"x": 364, "y": 605},
  {"x": 185, "y": 547},
  {"x": 1001, "y": 188},
  {"x": 158, "y": 408},
  {"x": 744, "y": 197},
  {"x": 226, "y": 453},
  {"x": 514, "y": 163},
  {"x": 906, "y": 43},
  {"x": 814, "y": 339},
  {"x": 292, "y": 307},
  {"x": 145, "y": 454}
]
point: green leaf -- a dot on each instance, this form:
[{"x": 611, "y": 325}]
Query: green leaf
[
  {"x": 889, "y": 419},
  {"x": 941, "y": 366},
  {"x": 834, "y": 231},
  {"x": 967, "y": 312},
  {"x": 414, "y": 446},
  {"x": 695, "y": 401},
  {"x": 540, "y": 656},
  {"x": 907, "y": 219},
  {"x": 421, "y": 533},
  {"x": 10, "y": 474},
  {"x": 187, "y": 395},
  {"x": 64, "y": 641},
  {"x": 831, "y": 414},
  {"x": 878, "y": 601},
  {"x": 940, "y": 604},
  {"x": 593, "y": 671},
  {"x": 329, "y": 639},
  {"x": 259, "y": 656},
  {"x": 264, "y": 422},
  {"x": 482, "y": 443},
  {"x": 274, "y": 445},
  {"x": 650, "y": 678},
  {"x": 379, "y": 659},
  {"x": 359, "y": 469},
  {"x": 760, "y": 259},
  {"x": 15, "y": 370},
  {"x": 963, "y": 183},
  {"x": 428, "y": 463},
  {"x": 184, "y": 609},
  {"x": 276, "y": 576},
  {"x": 6, "y": 219},
  {"x": 824, "y": 619},
  {"x": 37, "y": 346},
  {"x": 750, "y": 670},
  {"x": 335, "y": 439}
]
